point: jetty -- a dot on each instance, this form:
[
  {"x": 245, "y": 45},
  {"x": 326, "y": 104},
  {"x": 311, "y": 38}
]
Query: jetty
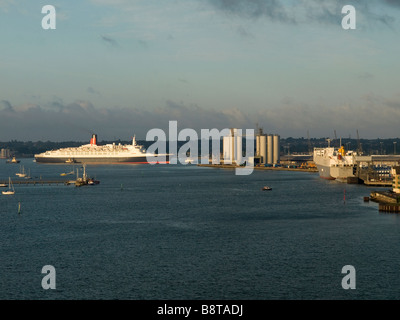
[
  {"x": 39, "y": 182},
  {"x": 389, "y": 200},
  {"x": 391, "y": 208}
]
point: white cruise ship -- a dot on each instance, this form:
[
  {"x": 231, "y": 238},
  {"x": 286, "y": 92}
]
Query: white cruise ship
[{"x": 93, "y": 153}]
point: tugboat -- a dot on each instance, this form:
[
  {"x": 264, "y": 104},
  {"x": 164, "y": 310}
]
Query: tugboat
[
  {"x": 13, "y": 160},
  {"x": 85, "y": 180}
]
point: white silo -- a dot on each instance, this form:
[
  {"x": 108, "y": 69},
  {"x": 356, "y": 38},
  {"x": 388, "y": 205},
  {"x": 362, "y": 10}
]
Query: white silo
[
  {"x": 227, "y": 149},
  {"x": 276, "y": 148},
  {"x": 238, "y": 150},
  {"x": 263, "y": 148},
  {"x": 270, "y": 150},
  {"x": 258, "y": 145}
]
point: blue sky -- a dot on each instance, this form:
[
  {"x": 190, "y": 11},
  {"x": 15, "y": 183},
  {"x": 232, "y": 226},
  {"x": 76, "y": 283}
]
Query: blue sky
[{"x": 122, "y": 67}]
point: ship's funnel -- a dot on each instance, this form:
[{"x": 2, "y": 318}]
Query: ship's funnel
[{"x": 93, "y": 141}]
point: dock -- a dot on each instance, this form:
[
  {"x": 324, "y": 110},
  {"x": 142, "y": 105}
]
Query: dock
[
  {"x": 375, "y": 170},
  {"x": 385, "y": 197},
  {"x": 389, "y": 201},
  {"x": 391, "y": 208}
]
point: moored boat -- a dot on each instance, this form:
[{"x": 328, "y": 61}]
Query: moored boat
[
  {"x": 13, "y": 160},
  {"x": 10, "y": 190},
  {"x": 335, "y": 163}
]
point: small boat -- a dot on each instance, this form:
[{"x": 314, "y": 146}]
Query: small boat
[
  {"x": 66, "y": 173},
  {"x": 21, "y": 172},
  {"x": 93, "y": 182},
  {"x": 3, "y": 185},
  {"x": 70, "y": 161},
  {"x": 85, "y": 180},
  {"x": 13, "y": 160},
  {"x": 266, "y": 188},
  {"x": 10, "y": 190},
  {"x": 29, "y": 175}
]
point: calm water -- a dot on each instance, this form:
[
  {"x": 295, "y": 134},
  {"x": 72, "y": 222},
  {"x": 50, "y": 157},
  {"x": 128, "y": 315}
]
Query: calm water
[{"x": 185, "y": 232}]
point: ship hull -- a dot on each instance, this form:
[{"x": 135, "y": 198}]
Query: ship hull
[
  {"x": 324, "y": 172},
  {"x": 94, "y": 160},
  {"x": 342, "y": 173}
]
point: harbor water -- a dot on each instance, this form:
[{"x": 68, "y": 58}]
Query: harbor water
[{"x": 187, "y": 232}]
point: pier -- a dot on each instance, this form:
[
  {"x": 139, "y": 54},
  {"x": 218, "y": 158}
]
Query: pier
[
  {"x": 389, "y": 201},
  {"x": 385, "y": 197},
  {"x": 391, "y": 208},
  {"x": 37, "y": 182}
]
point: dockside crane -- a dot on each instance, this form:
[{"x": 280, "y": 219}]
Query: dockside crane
[
  {"x": 359, "y": 146},
  {"x": 335, "y": 135}
]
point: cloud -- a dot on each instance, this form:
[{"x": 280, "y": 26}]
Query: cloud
[
  {"x": 110, "y": 41},
  {"x": 366, "y": 75},
  {"x": 395, "y": 3},
  {"x": 58, "y": 121},
  {"x": 374, "y": 116},
  {"x": 273, "y": 9},
  {"x": 7, "y": 106},
  {"x": 303, "y": 11},
  {"x": 92, "y": 91},
  {"x": 243, "y": 32},
  {"x": 143, "y": 43}
]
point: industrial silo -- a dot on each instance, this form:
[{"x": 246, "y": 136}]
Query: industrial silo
[
  {"x": 263, "y": 148},
  {"x": 227, "y": 153},
  {"x": 257, "y": 145},
  {"x": 238, "y": 150},
  {"x": 276, "y": 148},
  {"x": 229, "y": 147},
  {"x": 270, "y": 150}
]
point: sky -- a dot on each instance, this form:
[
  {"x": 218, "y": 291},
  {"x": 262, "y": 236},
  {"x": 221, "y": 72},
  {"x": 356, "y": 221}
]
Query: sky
[{"x": 120, "y": 68}]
